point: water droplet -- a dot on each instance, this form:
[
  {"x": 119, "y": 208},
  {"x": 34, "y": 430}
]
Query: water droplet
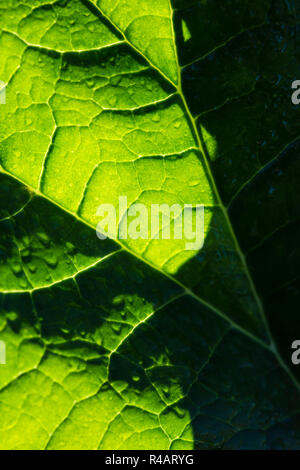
[
  {"x": 272, "y": 190},
  {"x": 115, "y": 80},
  {"x": 156, "y": 117},
  {"x": 136, "y": 378},
  {"x": 116, "y": 328},
  {"x": 25, "y": 253},
  {"x": 43, "y": 238},
  {"x": 32, "y": 268},
  {"x": 12, "y": 316},
  {"x": 90, "y": 83},
  {"x": 193, "y": 183},
  {"x": 70, "y": 248},
  {"x": 177, "y": 124},
  {"x": 179, "y": 412},
  {"x": 16, "y": 268},
  {"x": 118, "y": 301},
  {"x": 23, "y": 284},
  {"x": 26, "y": 240},
  {"x": 65, "y": 331},
  {"x": 112, "y": 101},
  {"x": 51, "y": 260}
]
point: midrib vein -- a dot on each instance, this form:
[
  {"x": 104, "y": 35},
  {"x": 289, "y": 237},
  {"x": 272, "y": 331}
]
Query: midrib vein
[
  {"x": 132, "y": 46},
  {"x": 137, "y": 256},
  {"x": 201, "y": 148},
  {"x": 270, "y": 347}
]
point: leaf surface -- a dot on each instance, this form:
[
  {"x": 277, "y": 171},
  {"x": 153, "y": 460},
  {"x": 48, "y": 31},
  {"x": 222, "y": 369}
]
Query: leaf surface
[{"x": 144, "y": 344}]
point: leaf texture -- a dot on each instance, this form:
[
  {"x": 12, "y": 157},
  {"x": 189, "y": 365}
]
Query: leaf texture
[{"x": 141, "y": 344}]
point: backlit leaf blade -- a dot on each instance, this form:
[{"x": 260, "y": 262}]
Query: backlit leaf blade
[{"x": 145, "y": 344}]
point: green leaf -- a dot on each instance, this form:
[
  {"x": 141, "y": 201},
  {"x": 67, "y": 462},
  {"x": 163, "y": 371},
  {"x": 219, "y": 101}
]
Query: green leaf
[{"x": 142, "y": 344}]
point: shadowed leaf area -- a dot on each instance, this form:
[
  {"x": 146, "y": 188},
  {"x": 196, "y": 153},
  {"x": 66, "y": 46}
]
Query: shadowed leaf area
[{"x": 143, "y": 344}]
